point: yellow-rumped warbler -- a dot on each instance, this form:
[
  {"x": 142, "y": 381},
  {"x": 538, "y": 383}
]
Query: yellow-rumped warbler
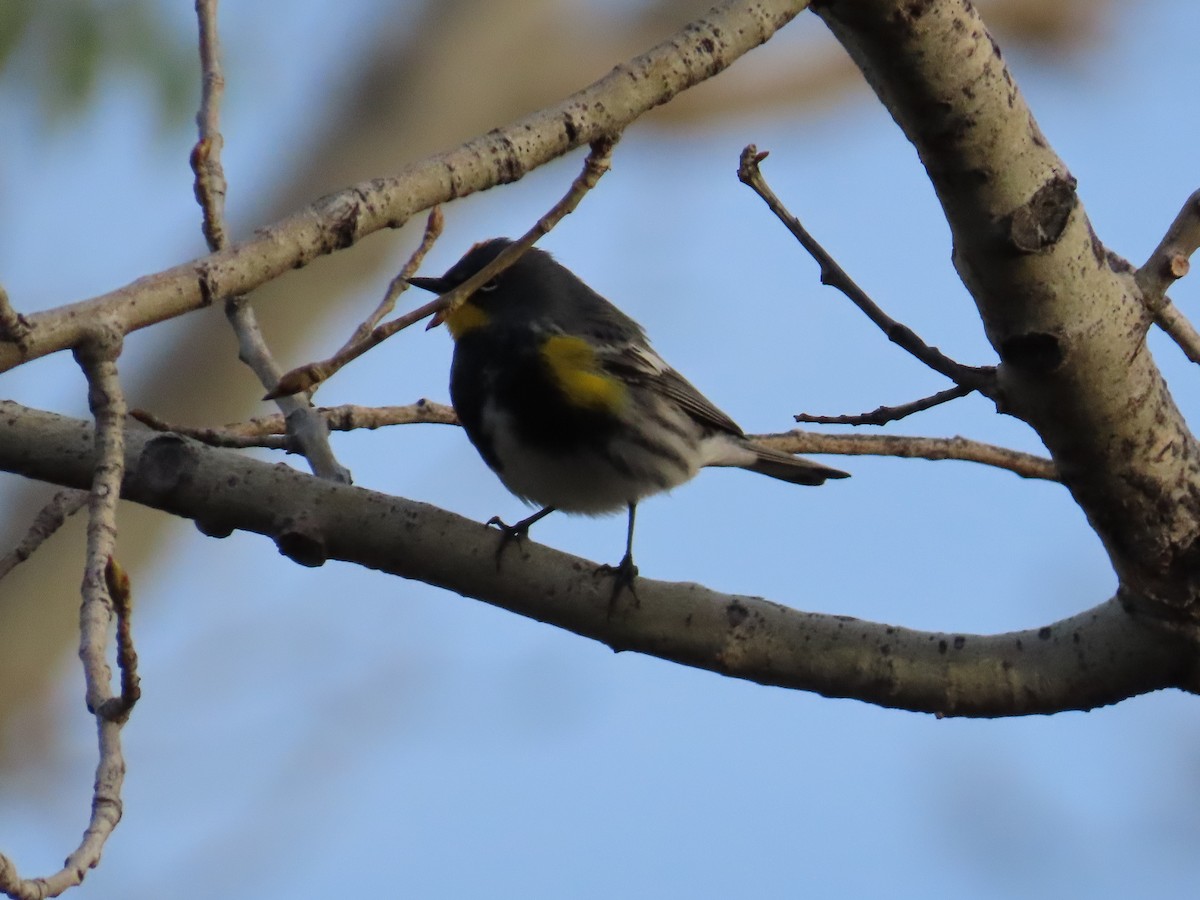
[{"x": 565, "y": 400}]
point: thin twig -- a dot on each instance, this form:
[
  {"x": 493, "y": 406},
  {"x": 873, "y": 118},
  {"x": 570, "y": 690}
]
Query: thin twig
[
  {"x": 307, "y": 436},
  {"x": 258, "y": 432},
  {"x": 883, "y": 414},
  {"x": 97, "y": 356},
  {"x": 49, "y": 519},
  {"x": 268, "y": 431},
  {"x": 976, "y": 378},
  {"x": 1169, "y": 261},
  {"x": 694, "y": 53},
  {"x": 1024, "y": 464},
  {"x": 232, "y": 436},
  {"x": 307, "y": 376},
  {"x": 349, "y": 417},
  {"x": 210, "y": 185},
  {"x": 398, "y": 285},
  {"x": 1179, "y": 328}
]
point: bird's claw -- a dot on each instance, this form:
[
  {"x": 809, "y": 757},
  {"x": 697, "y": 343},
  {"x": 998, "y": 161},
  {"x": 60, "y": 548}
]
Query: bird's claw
[
  {"x": 624, "y": 574},
  {"x": 508, "y": 534}
]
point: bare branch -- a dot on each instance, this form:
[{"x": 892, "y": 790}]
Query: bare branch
[
  {"x": 1097, "y": 657},
  {"x": 106, "y": 464},
  {"x": 1169, "y": 261},
  {"x": 1065, "y": 317},
  {"x": 267, "y": 431},
  {"x": 210, "y": 185},
  {"x": 231, "y": 436},
  {"x": 594, "y": 166},
  {"x": 62, "y": 506},
  {"x": 307, "y": 436},
  {"x": 398, "y": 285},
  {"x": 693, "y": 54},
  {"x": 975, "y": 378},
  {"x": 881, "y": 415},
  {"x": 348, "y": 418},
  {"x": 97, "y": 358},
  {"x": 1179, "y": 328},
  {"x": 933, "y": 448}
]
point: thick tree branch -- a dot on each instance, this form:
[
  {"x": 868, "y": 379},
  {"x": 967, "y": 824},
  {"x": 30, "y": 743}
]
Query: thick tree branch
[
  {"x": 1064, "y": 314},
  {"x": 1092, "y": 659},
  {"x": 700, "y": 50}
]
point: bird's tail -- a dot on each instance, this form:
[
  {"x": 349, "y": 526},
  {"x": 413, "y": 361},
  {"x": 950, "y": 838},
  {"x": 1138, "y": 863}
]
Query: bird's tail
[{"x": 785, "y": 467}]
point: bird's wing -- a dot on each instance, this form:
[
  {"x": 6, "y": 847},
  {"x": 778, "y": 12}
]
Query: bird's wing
[{"x": 638, "y": 363}]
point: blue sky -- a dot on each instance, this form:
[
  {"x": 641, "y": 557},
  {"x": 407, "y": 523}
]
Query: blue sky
[{"x": 308, "y": 731}]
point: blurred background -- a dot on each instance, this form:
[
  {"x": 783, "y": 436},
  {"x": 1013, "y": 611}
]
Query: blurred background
[{"x": 338, "y": 731}]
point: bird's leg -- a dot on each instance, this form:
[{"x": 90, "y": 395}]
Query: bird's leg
[
  {"x": 625, "y": 571},
  {"x": 509, "y": 533}
]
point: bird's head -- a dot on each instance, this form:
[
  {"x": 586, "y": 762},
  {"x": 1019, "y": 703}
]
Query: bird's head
[{"x": 518, "y": 294}]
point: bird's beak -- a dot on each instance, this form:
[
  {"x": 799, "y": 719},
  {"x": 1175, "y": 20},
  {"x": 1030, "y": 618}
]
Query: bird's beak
[{"x": 436, "y": 286}]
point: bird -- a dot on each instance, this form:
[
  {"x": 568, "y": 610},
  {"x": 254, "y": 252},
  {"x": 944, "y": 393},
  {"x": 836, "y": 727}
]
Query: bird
[{"x": 567, "y": 402}]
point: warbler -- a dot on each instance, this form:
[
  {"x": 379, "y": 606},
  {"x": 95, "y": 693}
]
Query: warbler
[{"x": 563, "y": 397}]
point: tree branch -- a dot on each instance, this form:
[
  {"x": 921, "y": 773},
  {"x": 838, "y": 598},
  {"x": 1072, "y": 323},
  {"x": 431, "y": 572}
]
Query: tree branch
[
  {"x": 881, "y": 415},
  {"x": 1095, "y": 658},
  {"x": 106, "y": 454},
  {"x": 1179, "y": 329},
  {"x": 973, "y": 378},
  {"x": 267, "y": 431},
  {"x": 310, "y": 375},
  {"x": 306, "y": 436},
  {"x": 932, "y": 448},
  {"x": 398, "y": 285},
  {"x": 1064, "y": 314},
  {"x": 1169, "y": 261},
  {"x": 697, "y": 52},
  {"x": 50, "y": 518}
]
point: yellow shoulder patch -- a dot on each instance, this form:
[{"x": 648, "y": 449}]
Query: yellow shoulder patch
[
  {"x": 572, "y": 363},
  {"x": 466, "y": 318}
]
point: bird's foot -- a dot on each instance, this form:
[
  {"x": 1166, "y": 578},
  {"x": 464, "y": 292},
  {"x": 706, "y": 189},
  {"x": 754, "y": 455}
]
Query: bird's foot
[
  {"x": 624, "y": 574},
  {"x": 517, "y": 532},
  {"x": 508, "y": 534}
]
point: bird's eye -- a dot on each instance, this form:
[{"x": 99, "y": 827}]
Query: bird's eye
[{"x": 490, "y": 286}]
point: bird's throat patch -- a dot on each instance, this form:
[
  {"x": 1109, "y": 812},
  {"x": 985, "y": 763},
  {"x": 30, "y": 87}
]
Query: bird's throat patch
[
  {"x": 572, "y": 363},
  {"x": 467, "y": 317}
]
